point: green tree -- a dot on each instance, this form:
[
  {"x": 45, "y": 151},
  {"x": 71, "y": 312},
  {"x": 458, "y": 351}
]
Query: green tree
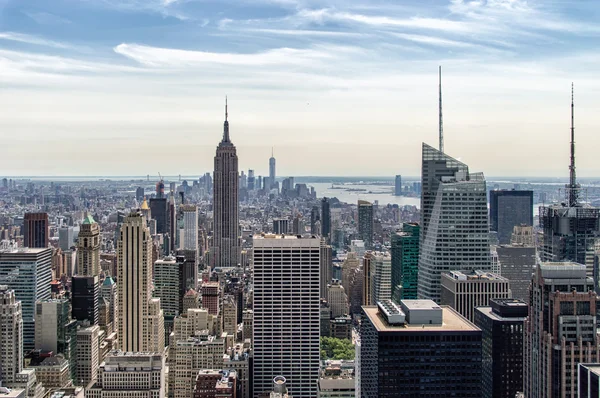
[{"x": 332, "y": 348}]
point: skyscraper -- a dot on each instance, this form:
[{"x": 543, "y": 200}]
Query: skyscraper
[
  {"x": 398, "y": 186},
  {"x": 315, "y": 220},
  {"x": 382, "y": 277},
  {"x": 28, "y": 272},
  {"x": 87, "y": 355},
  {"x": 85, "y": 296},
  {"x": 405, "y": 262},
  {"x": 365, "y": 223},
  {"x": 455, "y": 230},
  {"x": 416, "y": 349},
  {"x": 11, "y": 336},
  {"x": 190, "y": 227},
  {"x": 272, "y": 171},
  {"x": 136, "y": 314},
  {"x": 509, "y": 209},
  {"x": 226, "y": 245},
  {"x": 502, "y": 340},
  {"x": 286, "y": 313},
  {"x": 561, "y": 329},
  {"x": 570, "y": 229},
  {"x": 326, "y": 268},
  {"x": 325, "y": 218},
  {"x": 65, "y": 237},
  {"x": 35, "y": 226},
  {"x": 88, "y": 248},
  {"x": 517, "y": 261}
]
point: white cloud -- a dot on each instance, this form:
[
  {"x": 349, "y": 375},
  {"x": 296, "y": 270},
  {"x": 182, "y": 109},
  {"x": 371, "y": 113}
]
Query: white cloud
[{"x": 30, "y": 39}]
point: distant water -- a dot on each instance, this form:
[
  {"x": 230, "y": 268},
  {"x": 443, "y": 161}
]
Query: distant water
[{"x": 371, "y": 193}]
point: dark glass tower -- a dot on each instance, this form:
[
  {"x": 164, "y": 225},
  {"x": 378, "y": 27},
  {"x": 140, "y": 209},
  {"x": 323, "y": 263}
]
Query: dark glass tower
[
  {"x": 502, "y": 340},
  {"x": 325, "y": 218},
  {"x": 226, "y": 246},
  {"x": 159, "y": 212},
  {"x": 365, "y": 223},
  {"x": 509, "y": 209},
  {"x": 36, "y": 230},
  {"x": 85, "y": 293},
  {"x": 405, "y": 262}
]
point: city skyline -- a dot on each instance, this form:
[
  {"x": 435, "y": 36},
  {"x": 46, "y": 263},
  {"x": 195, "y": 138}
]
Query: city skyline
[{"x": 307, "y": 77}]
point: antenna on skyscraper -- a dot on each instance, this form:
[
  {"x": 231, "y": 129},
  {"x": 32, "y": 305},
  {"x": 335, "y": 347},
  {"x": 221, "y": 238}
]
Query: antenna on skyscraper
[
  {"x": 573, "y": 187},
  {"x": 441, "y": 123},
  {"x": 225, "y": 108}
]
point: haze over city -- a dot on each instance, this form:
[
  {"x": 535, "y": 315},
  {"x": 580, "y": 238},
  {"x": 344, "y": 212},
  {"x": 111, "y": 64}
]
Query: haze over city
[{"x": 113, "y": 87}]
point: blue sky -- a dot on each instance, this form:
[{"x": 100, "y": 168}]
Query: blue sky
[{"x": 338, "y": 87}]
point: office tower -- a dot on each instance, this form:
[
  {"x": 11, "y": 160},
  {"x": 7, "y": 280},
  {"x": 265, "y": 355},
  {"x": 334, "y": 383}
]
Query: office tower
[
  {"x": 570, "y": 229},
  {"x": 398, "y": 186},
  {"x": 337, "y": 299},
  {"x": 226, "y": 246},
  {"x": 35, "y": 227},
  {"x": 248, "y": 324},
  {"x": 589, "y": 380},
  {"x": 325, "y": 218},
  {"x": 139, "y": 194},
  {"x": 509, "y": 208},
  {"x": 88, "y": 248},
  {"x": 272, "y": 173},
  {"x": 315, "y": 217},
  {"x": 28, "y": 272},
  {"x": 251, "y": 180},
  {"x": 465, "y": 290},
  {"x": 210, "y": 297},
  {"x": 381, "y": 274},
  {"x": 286, "y": 275},
  {"x": 55, "y": 330},
  {"x": 109, "y": 294},
  {"x": 188, "y": 270},
  {"x": 130, "y": 375},
  {"x": 326, "y": 268},
  {"x": 167, "y": 287},
  {"x": 11, "y": 336},
  {"x": 405, "y": 262},
  {"x": 65, "y": 238},
  {"x": 190, "y": 227},
  {"x": 368, "y": 269},
  {"x": 501, "y": 326},
  {"x": 159, "y": 211},
  {"x": 560, "y": 331},
  {"x": 517, "y": 261},
  {"x": 229, "y": 316},
  {"x": 85, "y": 296},
  {"x": 455, "y": 231},
  {"x": 136, "y": 312},
  {"x": 365, "y": 223},
  {"x": 418, "y": 349},
  {"x": 280, "y": 226},
  {"x": 87, "y": 355},
  {"x": 172, "y": 221}
]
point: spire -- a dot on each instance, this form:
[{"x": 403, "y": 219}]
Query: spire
[
  {"x": 441, "y": 123},
  {"x": 272, "y": 152},
  {"x": 226, "y": 124},
  {"x": 573, "y": 188}
]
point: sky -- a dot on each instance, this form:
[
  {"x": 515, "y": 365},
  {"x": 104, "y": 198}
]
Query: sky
[{"x": 336, "y": 87}]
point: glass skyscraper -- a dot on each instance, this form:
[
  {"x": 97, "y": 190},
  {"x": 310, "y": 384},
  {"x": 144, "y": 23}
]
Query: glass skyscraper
[{"x": 405, "y": 262}]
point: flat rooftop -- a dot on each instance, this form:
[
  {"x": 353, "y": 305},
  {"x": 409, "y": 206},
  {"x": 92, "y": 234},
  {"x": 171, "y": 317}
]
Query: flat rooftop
[
  {"x": 592, "y": 367},
  {"x": 451, "y": 320},
  {"x": 475, "y": 275}
]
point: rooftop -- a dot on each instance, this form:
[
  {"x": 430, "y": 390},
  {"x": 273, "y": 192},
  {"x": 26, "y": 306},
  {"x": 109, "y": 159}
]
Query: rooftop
[
  {"x": 474, "y": 275},
  {"x": 451, "y": 320}
]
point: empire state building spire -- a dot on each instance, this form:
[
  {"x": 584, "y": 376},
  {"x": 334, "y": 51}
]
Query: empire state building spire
[{"x": 226, "y": 125}]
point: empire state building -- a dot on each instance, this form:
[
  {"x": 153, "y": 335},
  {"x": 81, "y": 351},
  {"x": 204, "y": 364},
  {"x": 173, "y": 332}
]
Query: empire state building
[{"x": 226, "y": 242}]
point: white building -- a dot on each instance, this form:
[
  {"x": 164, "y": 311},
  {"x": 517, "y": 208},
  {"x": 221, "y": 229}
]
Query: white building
[
  {"x": 286, "y": 313},
  {"x": 87, "y": 355},
  {"x": 134, "y": 269},
  {"x": 382, "y": 277},
  {"x": 11, "y": 336},
  {"x": 337, "y": 300},
  {"x": 130, "y": 375},
  {"x": 193, "y": 355},
  {"x": 166, "y": 285},
  {"x": 190, "y": 227}
]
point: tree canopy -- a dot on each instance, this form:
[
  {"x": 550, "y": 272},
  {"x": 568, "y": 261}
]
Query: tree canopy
[{"x": 332, "y": 348}]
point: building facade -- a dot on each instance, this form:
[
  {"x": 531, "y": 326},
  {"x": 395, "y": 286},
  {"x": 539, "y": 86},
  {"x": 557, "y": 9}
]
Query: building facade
[
  {"x": 405, "y": 262},
  {"x": 134, "y": 268},
  {"x": 365, "y": 223},
  {"x": 286, "y": 313},
  {"x": 28, "y": 272},
  {"x": 510, "y": 208},
  {"x": 11, "y": 336},
  {"x": 88, "y": 248},
  {"x": 560, "y": 331},
  {"x": 418, "y": 349},
  {"x": 455, "y": 230},
  {"x": 502, "y": 330},
  {"x": 226, "y": 244},
  {"x": 35, "y": 227},
  {"x": 85, "y": 298},
  {"x": 466, "y": 290}
]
